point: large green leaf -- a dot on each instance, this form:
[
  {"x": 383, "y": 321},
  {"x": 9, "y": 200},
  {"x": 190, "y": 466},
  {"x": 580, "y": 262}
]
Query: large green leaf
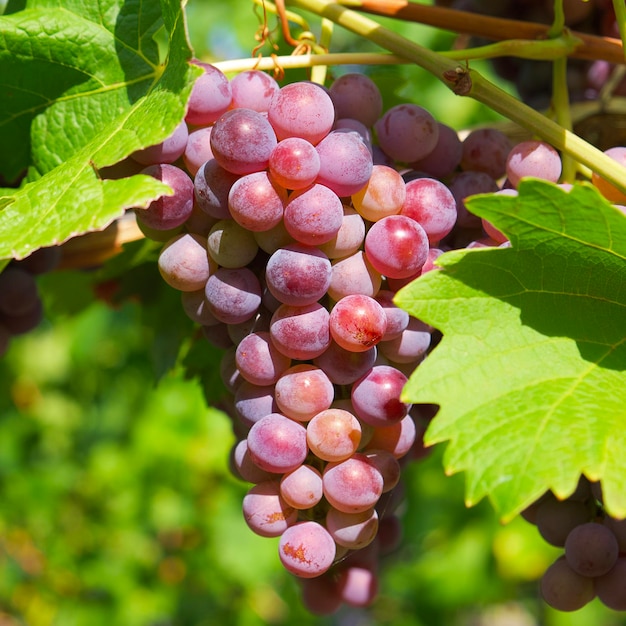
[
  {"x": 530, "y": 374},
  {"x": 81, "y": 88}
]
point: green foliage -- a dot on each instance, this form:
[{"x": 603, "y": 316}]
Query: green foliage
[
  {"x": 82, "y": 88},
  {"x": 530, "y": 372}
]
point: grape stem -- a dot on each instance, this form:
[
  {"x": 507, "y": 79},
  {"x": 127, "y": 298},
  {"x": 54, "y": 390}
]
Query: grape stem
[
  {"x": 467, "y": 82},
  {"x": 592, "y": 47}
]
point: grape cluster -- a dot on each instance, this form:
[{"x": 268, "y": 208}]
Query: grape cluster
[
  {"x": 21, "y": 308},
  {"x": 594, "y": 559},
  {"x": 297, "y": 214}
]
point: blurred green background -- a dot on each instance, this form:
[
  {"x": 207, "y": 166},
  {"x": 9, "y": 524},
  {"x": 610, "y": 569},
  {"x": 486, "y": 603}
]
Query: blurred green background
[{"x": 116, "y": 503}]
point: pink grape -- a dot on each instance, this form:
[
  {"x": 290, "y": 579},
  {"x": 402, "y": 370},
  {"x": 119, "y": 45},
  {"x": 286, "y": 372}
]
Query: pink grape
[
  {"x": 397, "y": 318},
  {"x": 252, "y": 402},
  {"x": 245, "y": 468},
  {"x": 352, "y": 530},
  {"x": 298, "y": 274},
  {"x": 259, "y": 361},
  {"x": 212, "y": 184},
  {"x": 533, "y": 158},
  {"x": 376, "y": 396},
  {"x": 301, "y": 110},
  {"x": 356, "y": 96},
  {"x": 407, "y": 132},
  {"x": 397, "y": 246},
  {"x": 167, "y": 151},
  {"x": 265, "y": 512},
  {"x": 306, "y": 549},
  {"x": 242, "y": 141},
  {"x": 333, "y": 434},
  {"x": 349, "y": 237},
  {"x": 410, "y": 346},
  {"x": 302, "y": 391},
  {"x": 300, "y": 332},
  {"x": 198, "y": 149},
  {"x": 294, "y": 163},
  {"x": 253, "y": 89},
  {"x": 354, "y": 275},
  {"x": 357, "y": 322},
  {"x": 345, "y": 163},
  {"x": 358, "y": 586},
  {"x": 211, "y": 96},
  {"x": 397, "y": 438},
  {"x": 277, "y": 444},
  {"x": 256, "y": 202},
  {"x": 233, "y": 295},
  {"x": 313, "y": 215},
  {"x": 184, "y": 262},
  {"x": 430, "y": 203},
  {"x": 353, "y": 485},
  {"x": 302, "y": 487},
  {"x": 384, "y": 194}
]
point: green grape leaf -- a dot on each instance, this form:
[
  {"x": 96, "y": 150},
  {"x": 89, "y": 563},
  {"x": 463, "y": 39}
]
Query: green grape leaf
[
  {"x": 530, "y": 374},
  {"x": 82, "y": 87}
]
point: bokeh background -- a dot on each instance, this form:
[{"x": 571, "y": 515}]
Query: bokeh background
[{"x": 117, "y": 507}]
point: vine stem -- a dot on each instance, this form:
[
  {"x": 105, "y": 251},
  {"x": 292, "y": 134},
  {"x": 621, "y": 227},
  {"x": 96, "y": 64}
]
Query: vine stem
[
  {"x": 470, "y": 83},
  {"x": 592, "y": 47}
]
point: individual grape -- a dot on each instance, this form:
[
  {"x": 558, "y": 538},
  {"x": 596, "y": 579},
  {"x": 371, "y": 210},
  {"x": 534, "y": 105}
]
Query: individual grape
[
  {"x": 313, "y": 215},
  {"x": 430, "y": 203},
  {"x": 349, "y": 237},
  {"x": 333, "y": 434},
  {"x": 353, "y": 274},
  {"x": 466, "y": 184},
  {"x": 397, "y": 246},
  {"x": 242, "y": 141},
  {"x": 298, "y": 274},
  {"x": 609, "y": 191},
  {"x": 591, "y": 549},
  {"x": 410, "y": 346},
  {"x": 184, "y": 262},
  {"x": 294, "y": 163},
  {"x": 300, "y": 332},
  {"x": 486, "y": 150},
  {"x": 384, "y": 194},
  {"x": 376, "y": 396},
  {"x": 212, "y": 185},
  {"x": 196, "y": 307},
  {"x": 611, "y": 587},
  {"x": 233, "y": 295},
  {"x": 533, "y": 158},
  {"x": 358, "y": 586},
  {"x": 210, "y": 97},
  {"x": 344, "y": 367},
  {"x": 397, "y": 438},
  {"x": 276, "y": 237},
  {"x": 259, "y": 362},
  {"x": 565, "y": 590},
  {"x": 302, "y": 487},
  {"x": 357, "y": 322},
  {"x": 302, "y": 391},
  {"x": 387, "y": 464},
  {"x": 245, "y": 468},
  {"x": 18, "y": 291},
  {"x": 555, "y": 519},
  {"x": 303, "y": 110},
  {"x": 407, "y": 132},
  {"x": 352, "y": 530},
  {"x": 167, "y": 151},
  {"x": 277, "y": 444},
  {"x": 356, "y": 96},
  {"x": 198, "y": 149},
  {"x": 252, "y": 402},
  {"x": 265, "y": 512},
  {"x": 256, "y": 202},
  {"x": 442, "y": 161},
  {"x": 320, "y": 595},
  {"x": 306, "y": 549},
  {"x": 397, "y": 318},
  {"x": 353, "y": 485},
  {"x": 618, "y": 527},
  {"x": 230, "y": 245},
  {"x": 345, "y": 163},
  {"x": 253, "y": 89}
]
